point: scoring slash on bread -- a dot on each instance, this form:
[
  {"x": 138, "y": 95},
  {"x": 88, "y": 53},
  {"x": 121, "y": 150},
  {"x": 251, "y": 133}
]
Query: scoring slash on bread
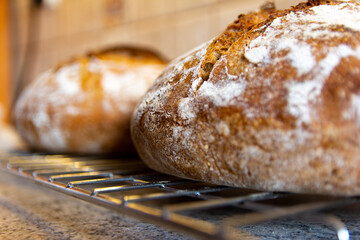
[
  {"x": 273, "y": 103},
  {"x": 85, "y": 105}
]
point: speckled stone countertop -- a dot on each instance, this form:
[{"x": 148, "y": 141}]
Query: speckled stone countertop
[{"x": 31, "y": 211}]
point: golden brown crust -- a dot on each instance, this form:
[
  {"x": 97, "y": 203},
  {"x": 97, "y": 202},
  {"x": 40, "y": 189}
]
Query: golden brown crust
[
  {"x": 280, "y": 110},
  {"x": 85, "y": 105},
  {"x": 223, "y": 42},
  {"x": 131, "y": 53},
  {"x": 245, "y": 22}
]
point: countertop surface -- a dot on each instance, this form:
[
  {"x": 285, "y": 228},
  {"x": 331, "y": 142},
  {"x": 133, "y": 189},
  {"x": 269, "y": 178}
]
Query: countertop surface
[{"x": 31, "y": 211}]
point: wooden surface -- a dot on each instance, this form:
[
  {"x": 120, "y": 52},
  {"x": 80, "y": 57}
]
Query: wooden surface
[{"x": 4, "y": 61}]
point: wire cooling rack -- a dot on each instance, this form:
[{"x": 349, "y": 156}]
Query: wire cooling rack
[{"x": 195, "y": 208}]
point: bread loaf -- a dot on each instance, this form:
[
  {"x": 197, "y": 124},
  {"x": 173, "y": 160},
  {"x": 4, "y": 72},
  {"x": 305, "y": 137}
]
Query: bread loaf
[
  {"x": 274, "y": 107},
  {"x": 85, "y": 105}
]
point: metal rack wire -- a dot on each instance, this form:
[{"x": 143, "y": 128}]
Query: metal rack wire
[{"x": 128, "y": 186}]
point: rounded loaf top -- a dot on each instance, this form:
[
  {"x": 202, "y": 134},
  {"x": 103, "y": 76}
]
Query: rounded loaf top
[
  {"x": 274, "y": 106},
  {"x": 85, "y": 105}
]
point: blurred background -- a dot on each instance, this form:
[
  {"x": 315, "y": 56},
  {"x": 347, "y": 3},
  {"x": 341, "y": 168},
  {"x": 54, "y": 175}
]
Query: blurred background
[{"x": 38, "y": 34}]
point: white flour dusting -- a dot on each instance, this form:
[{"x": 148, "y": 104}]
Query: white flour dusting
[
  {"x": 53, "y": 138},
  {"x": 353, "y": 112},
  {"x": 302, "y": 93},
  {"x": 41, "y": 118},
  {"x": 175, "y": 68},
  {"x": 222, "y": 94},
  {"x": 355, "y": 106},
  {"x": 291, "y": 34},
  {"x": 186, "y": 109},
  {"x": 300, "y": 27},
  {"x": 67, "y": 79},
  {"x": 60, "y": 93},
  {"x": 132, "y": 83},
  {"x": 299, "y": 95},
  {"x": 223, "y": 128},
  {"x": 257, "y": 54},
  {"x": 344, "y": 14}
]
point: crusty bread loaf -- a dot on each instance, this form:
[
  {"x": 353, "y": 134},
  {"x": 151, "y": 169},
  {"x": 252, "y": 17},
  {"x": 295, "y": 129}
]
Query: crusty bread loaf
[
  {"x": 85, "y": 105},
  {"x": 278, "y": 109}
]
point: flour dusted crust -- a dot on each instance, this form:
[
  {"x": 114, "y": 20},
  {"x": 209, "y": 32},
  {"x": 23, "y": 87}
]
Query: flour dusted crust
[
  {"x": 278, "y": 110},
  {"x": 85, "y": 105}
]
